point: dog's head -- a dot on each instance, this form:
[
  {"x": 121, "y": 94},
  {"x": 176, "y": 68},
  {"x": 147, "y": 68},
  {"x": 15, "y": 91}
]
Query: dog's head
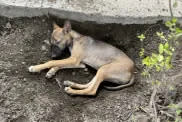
[{"x": 60, "y": 39}]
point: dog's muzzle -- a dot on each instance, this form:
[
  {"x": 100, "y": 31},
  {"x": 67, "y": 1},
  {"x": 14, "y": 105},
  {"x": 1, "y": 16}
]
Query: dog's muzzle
[{"x": 56, "y": 52}]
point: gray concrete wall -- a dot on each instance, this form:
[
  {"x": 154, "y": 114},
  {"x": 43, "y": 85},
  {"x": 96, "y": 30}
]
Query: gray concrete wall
[{"x": 100, "y": 11}]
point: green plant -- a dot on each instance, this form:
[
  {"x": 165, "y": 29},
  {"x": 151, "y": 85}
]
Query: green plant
[
  {"x": 159, "y": 61},
  {"x": 178, "y": 111}
]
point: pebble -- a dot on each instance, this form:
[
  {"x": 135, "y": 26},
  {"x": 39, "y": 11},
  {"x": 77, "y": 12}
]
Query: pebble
[
  {"x": 43, "y": 20},
  {"x": 129, "y": 107},
  {"x": 148, "y": 93},
  {"x": 43, "y": 48},
  {"x": 47, "y": 42},
  {"x": 86, "y": 69},
  {"x": 8, "y": 25},
  {"x": 23, "y": 62},
  {"x": 73, "y": 73},
  {"x": 24, "y": 79}
]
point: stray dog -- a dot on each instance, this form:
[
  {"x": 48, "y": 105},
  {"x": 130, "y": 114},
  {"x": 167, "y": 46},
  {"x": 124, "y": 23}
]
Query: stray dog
[{"x": 111, "y": 63}]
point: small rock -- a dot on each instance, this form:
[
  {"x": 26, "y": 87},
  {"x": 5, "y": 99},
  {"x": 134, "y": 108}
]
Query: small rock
[
  {"x": 24, "y": 79},
  {"x": 19, "y": 30},
  {"x": 86, "y": 69},
  {"x": 73, "y": 73},
  {"x": 43, "y": 48},
  {"x": 47, "y": 42},
  {"x": 23, "y": 62},
  {"x": 8, "y": 25},
  {"x": 129, "y": 107},
  {"x": 148, "y": 93}
]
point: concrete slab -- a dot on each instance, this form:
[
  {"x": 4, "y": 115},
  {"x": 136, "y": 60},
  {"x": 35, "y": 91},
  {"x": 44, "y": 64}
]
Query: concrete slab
[{"x": 100, "y": 11}]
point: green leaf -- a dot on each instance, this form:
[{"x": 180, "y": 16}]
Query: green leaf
[
  {"x": 166, "y": 45},
  {"x": 161, "y": 48},
  {"x": 172, "y": 106},
  {"x": 168, "y": 59},
  {"x": 168, "y": 24},
  {"x": 178, "y": 30},
  {"x": 168, "y": 52},
  {"x": 161, "y": 35},
  {"x": 154, "y": 55},
  {"x": 160, "y": 58},
  {"x": 171, "y": 88},
  {"x": 145, "y": 73},
  {"x": 141, "y": 52},
  {"x": 146, "y": 61},
  {"x": 178, "y": 35},
  {"x": 141, "y": 37},
  {"x": 170, "y": 36},
  {"x": 172, "y": 28},
  {"x": 178, "y": 112},
  {"x": 174, "y": 20},
  {"x": 158, "y": 82},
  {"x": 168, "y": 62},
  {"x": 158, "y": 68},
  {"x": 162, "y": 64}
]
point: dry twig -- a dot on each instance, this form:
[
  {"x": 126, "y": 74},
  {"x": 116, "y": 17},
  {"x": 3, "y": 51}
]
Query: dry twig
[
  {"x": 59, "y": 82},
  {"x": 152, "y": 103}
]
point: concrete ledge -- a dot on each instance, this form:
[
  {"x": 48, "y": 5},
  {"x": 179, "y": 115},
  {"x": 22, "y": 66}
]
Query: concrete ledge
[{"x": 100, "y": 11}]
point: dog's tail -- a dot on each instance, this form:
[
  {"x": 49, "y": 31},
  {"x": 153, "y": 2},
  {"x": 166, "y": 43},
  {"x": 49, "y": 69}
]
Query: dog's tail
[{"x": 131, "y": 82}]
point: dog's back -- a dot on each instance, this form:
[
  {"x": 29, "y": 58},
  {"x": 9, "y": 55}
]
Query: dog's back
[{"x": 97, "y": 53}]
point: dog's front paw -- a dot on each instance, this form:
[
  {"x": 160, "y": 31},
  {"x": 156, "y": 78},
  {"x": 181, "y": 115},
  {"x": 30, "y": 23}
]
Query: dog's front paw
[
  {"x": 50, "y": 74},
  {"x": 33, "y": 69},
  {"x": 68, "y": 90},
  {"x": 68, "y": 83}
]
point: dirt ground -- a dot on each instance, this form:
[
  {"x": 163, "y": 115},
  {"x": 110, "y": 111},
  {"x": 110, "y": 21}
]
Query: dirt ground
[{"x": 27, "y": 97}]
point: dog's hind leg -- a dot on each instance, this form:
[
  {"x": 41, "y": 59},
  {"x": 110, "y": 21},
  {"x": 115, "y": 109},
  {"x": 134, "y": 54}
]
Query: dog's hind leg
[
  {"x": 113, "y": 70},
  {"x": 90, "y": 90},
  {"x": 91, "y": 87},
  {"x": 71, "y": 84}
]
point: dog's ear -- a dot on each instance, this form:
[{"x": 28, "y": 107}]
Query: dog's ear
[
  {"x": 67, "y": 27},
  {"x": 55, "y": 26}
]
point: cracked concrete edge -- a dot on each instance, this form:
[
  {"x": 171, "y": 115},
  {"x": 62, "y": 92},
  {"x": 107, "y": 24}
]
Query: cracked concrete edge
[
  {"x": 11, "y": 11},
  {"x": 105, "y": 19}
]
